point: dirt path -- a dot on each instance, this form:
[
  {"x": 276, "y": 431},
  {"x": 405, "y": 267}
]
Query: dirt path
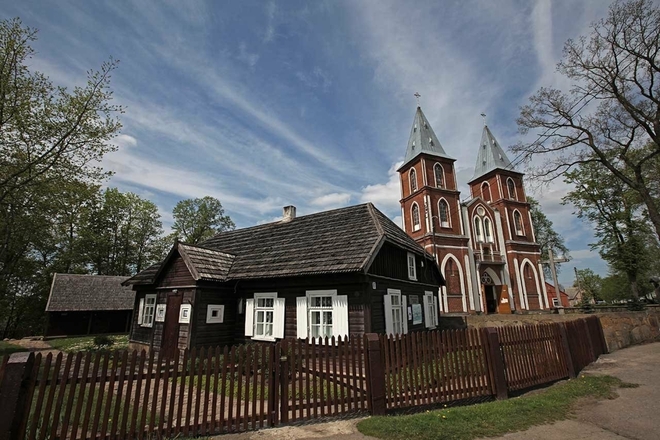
[{"x": 35, "y": 345}]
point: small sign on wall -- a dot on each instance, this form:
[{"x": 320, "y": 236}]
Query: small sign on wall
[
  {"x": 160, "y": 312},
  {"x": 184, "y": 313}
]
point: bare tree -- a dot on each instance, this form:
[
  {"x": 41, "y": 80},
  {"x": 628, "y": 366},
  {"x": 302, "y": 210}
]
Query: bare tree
[{"x": 611, "y": 115}]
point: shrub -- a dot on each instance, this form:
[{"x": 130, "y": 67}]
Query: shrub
[{"x": 103, "y": 341}]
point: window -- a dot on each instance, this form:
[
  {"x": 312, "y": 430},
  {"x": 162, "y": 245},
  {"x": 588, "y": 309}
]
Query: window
[
  {"x": 431, "y": 312},
  {"x": 264, "y": 316},
  {"x": 322, "y": 314},
  {"x": 412, "y": 270},
  {"x": 147, "y": 310},
  {"x": 555, "y": 303},
  {"x": 415, "y": 217},
  {"x": 443, "y": 211},
  {"x": 517, "y": 221},
  {"x": 477, "y": 229},
  {"x": 413, "y": 180},
  {"x": 215, "y": 314},
  {"x": 396, "y": 317},
  {"x": 488, "y": 230},
  {"x": 485, "y": 191},
  {"x": 512, "y": 188},
  {"x": 439, "y": 175}
]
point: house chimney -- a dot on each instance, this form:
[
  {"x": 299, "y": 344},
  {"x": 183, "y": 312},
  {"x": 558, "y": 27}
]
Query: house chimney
[{"x": 289, "y": 213}]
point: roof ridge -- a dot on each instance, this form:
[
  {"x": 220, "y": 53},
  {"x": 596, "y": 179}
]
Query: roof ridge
[{"x": 372, "y": 214}]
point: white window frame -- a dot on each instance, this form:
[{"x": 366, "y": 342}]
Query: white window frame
[
  {"x": 147, "y": 311},
  {"x": 340, "y": 325},
  {"x": 417, "y": 225},
  {"x": 487, "y": 186},
  {"x": 412, "y": 266},
  {"x": 395, "y": 302},
  {"x": 185, "y": 314},
  {"x": 519, "y": 231},
  {"x": 412, "y": 176},
  {"x": 444, "y": 224},
  {"x": 321, "y": 310},
  {"x": 488, "y": 230},
  {"x": 431, "y": 312},
  {"x": 478, "y": 229},
  {"x": 220, "y": 309},
  {"x": 251, "y": 312},
  {"x": 442, "y": 177},
  {"x": 555, "y": 302}
]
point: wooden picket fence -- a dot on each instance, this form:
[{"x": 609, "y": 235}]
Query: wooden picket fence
[{"x": 134, "y": 395}]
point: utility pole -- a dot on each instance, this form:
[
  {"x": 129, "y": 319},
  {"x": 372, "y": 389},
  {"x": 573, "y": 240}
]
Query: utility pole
[{"x": 551, "y": 262}]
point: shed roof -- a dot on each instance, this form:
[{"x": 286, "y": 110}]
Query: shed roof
[
  {"x": 337, "y": 241},
  {"x": 76, "y": 293}
]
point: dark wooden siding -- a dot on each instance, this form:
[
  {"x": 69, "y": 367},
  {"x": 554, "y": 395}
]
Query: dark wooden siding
[
  {"x": 140, "y": 334},
  {"x": 175, "y": 274},
  {"x": 407, "y": 289},
  {"x": 219, "y": 333},
  {"x": 392, "y": 262}
]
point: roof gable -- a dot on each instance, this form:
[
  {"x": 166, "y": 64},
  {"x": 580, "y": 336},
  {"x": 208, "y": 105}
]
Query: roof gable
[{"x": 74, "y": 292}]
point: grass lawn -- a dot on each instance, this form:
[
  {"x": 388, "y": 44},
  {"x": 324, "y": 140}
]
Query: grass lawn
[
  {"x": 7, "y": 348},
  {"x": 86, "y": 343},
  {"x": 494, "y": 418}
]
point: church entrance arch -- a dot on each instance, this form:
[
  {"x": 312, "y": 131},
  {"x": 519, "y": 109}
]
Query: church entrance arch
[{"x": 494, "y": 293}]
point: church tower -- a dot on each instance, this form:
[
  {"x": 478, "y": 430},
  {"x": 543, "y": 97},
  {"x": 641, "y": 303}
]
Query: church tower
[
  {"x": 431, "y": 211},
  {"x": 498, "y": 184}
]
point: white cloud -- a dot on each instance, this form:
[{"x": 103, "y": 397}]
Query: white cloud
[
  {"x": 384, "y": 195},
  {"x": 317, "y": 78},
  {"x": 248, "y": 58},
  {"x": 125, "y": 141},
  {"x": 269, "y": 33},
  {"x": 334, "y": 200}
]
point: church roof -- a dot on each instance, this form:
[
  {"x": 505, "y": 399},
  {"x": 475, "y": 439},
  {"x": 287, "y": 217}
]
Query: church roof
[
  {"x": 491, "y": 156},
  {"x": 337, "y": 241},
  {"x": 423, "y": 139}
]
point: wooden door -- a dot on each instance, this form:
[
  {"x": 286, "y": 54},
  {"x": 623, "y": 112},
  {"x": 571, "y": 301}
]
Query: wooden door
[{"x": 171, "y": 328}]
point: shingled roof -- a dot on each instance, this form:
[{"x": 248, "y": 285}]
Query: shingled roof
[
  {"x": 77, "y": 293},
  {"x": 337, "y": 241}
]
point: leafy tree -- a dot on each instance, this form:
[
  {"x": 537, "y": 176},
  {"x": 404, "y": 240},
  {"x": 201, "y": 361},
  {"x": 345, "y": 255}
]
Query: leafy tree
[
  {"x": 545, "y": 234},
  {"x": 624, "y": 235},
  {"x": 589, "y": 284},
  {"x": 611, "y": 115},
  {"x": 196, "y": 220}
]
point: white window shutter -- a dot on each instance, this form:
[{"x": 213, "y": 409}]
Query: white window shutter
[
  {"x": 389, "y": 325},
  {"x": 436, "y": 321},
  {"x": 404, "y": 301},
  {"x": 340, "y": 316},
  {"x": 428, "y": 310},
  {"x": 140, "y": 311},
  {"x": 278, "y": 318},
  {"x": 301, "y": 317},
  {"x": 249, "y": 317}
]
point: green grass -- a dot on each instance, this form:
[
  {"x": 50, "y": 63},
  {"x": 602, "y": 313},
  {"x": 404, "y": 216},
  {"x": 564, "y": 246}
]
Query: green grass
[
  {"x": 493, "y": 418},
  {"x": 7, "y": 348},
  {"x": 86, "y": 343}
]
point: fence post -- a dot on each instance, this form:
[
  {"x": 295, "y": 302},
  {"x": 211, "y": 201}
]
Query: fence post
[
  {"x": 497, "y": 364},
  {"x": 13, "y": 394},
  {"x": 567, "y": 349},
  {"x": 375, "y": 375},
  {"x": 284, "y": 382}
]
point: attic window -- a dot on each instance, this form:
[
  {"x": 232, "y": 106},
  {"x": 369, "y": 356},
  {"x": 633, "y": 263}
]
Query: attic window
[
  {"x": 413, "y": 145},
  {"x": 426, "y": 125},
  {"x": 501, "y": 158},
  {"x": 431, "y": 141},
  {"x": 415, "y": 128},
  {"x": 484, "y": 145},
  {"x": 493, "y": 141}
]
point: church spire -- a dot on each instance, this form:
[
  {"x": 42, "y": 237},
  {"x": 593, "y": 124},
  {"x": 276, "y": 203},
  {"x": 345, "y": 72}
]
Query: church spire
[
  {"x": 490, "y": 156},
  {"x": 422, "y": 139}
]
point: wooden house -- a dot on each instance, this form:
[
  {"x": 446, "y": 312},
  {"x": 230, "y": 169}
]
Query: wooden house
[
  {"x": 88, "y": 304},
  {"x": 339, "y": 272}
]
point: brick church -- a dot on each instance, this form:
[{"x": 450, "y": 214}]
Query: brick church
[{"x": 485, "y": 246}]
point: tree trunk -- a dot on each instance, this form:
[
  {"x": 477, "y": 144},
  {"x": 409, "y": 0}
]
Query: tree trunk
[{"x": 651, "y": 204}]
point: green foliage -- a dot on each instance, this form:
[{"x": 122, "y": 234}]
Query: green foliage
[
  {"x": 545, "y": 234},
  {"x": 590, "y": 284},
  {"x": 196, "y": 220},
  {"x": 104, "y": 341},
  {"x": 493, "y": 418}
]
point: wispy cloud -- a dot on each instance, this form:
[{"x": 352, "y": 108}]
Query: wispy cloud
[
  {"x": 248, "y": 58},
  {"x": 334, "y": 200}
]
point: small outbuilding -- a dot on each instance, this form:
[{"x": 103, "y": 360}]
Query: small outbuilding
[
  {"x": 335, "y": 273},
  {"x": 88, "y": 304}
]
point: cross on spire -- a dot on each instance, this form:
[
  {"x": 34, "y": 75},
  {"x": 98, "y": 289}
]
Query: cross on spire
[
  {"x": 483, "y": 115},
  {"x": 417, "y": 95}
]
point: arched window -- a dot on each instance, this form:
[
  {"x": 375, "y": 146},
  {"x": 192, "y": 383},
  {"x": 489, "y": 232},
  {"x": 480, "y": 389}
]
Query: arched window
[
  {"x": 439, "y": 176},
  {"x": 527, "y": 272},
  {"x": 413, "y": 180},
  {"x": 488, "y": 231},
  {"x": 443, "y": 211},
  {"x": 477, "y": 229},
  {"x": 485, "y": 191},
  {"x": 512, "y": 188},
  {"x": 415, "y": 217},
  {"x": 517, "y": 222}
]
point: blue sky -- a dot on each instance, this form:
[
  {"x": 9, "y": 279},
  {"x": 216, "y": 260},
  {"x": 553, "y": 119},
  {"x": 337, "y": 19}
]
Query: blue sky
[{"x": 264, "y": 104}]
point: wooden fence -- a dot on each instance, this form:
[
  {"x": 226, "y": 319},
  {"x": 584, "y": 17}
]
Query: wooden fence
[{"x": 132, "y": 395}]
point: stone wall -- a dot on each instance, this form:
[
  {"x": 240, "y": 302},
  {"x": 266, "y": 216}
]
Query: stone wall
[{"x": 621, "y": 328}]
